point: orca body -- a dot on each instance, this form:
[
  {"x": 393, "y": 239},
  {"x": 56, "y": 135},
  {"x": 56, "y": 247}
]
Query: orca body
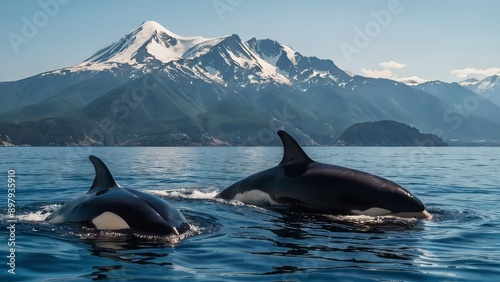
[
  {"x": 298, "y": 183},
  {"x": 107, "y": 206}
]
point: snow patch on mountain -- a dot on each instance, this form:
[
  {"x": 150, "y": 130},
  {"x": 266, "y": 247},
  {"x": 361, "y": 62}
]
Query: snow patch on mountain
[
  {"x": 487, "y": 83},
  {"x": 290, "y": 53},
  {"x": 469, "y": 82},
  {"x": 202, "y": 47},
  {"x": 411, "y": 80}
]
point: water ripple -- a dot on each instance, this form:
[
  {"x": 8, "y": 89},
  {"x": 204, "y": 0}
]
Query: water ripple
[{"x": 235, "y": 242}]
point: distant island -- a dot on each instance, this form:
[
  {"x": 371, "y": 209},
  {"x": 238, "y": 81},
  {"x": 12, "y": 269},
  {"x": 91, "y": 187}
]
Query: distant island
[{"x": 387, "y": 133}]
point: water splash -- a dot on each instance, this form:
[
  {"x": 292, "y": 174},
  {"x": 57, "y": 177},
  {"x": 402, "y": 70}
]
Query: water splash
[
  {"x": 439, "y": 215},
  {"x": 32, "y": 214},
  {"x": 207, "y": 194}
]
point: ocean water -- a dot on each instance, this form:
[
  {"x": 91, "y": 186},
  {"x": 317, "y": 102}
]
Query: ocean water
[{"x": 231, "y": 241}]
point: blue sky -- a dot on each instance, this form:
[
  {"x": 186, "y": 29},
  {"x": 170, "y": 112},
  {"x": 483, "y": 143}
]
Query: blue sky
[{"x": 446, "y": 40}]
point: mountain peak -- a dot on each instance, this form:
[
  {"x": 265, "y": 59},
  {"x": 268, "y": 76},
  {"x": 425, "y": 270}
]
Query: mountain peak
[
  {"x": 488, "y": 84},
  {"x": 412, "y": 80},
  {"x": 148, "y": 44},
  {"x": 150, "y": 27},
  {"x": 152, "y": 24},
  {"x": 469, "y": 81}
]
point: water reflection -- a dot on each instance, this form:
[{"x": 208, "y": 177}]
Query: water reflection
[
  {"x": 103, "y": 272},
  {"x": 306, "y": 242},
  {"x": 131, "y": 252},
  {"x": 293, "y": 224},
  {"x": 125, "y": 251}
]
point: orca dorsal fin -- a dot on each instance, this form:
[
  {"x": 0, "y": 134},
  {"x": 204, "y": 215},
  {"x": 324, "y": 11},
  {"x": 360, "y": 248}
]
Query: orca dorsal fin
[
  {"x": 103, "y": 178},
  {"x": 292, "y": 152}
]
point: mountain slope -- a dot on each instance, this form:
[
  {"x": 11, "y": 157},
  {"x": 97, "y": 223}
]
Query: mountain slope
[
  {"x": 301, "y": 71},
  {"x": 488, "y": 87},
  {"x": 463, "y": 101}
]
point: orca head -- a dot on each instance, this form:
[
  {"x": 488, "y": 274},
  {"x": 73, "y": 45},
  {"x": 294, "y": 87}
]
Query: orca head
[
  {"x": 153, "y": 215},
  {"x": 404, "y": 204},
  {"x": 116, "y": 208},
  {"x": 389, "y": 198}
]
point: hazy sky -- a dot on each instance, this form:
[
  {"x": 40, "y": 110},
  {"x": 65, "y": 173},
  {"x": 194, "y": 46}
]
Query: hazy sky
[{"x": 445, "y": 40}]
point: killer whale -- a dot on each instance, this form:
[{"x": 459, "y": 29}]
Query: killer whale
[
  {"x": 301, "y": 184},
  {"x": 107, "y": 206}
]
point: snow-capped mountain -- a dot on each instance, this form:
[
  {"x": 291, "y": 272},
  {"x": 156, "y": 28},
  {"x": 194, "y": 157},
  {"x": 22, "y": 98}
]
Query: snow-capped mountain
[
  {"x": 214, "y": 90},
  {"x": 224, "y": 60},
  {"x": 412, "y": 80},
  {"x": 299, "y": 70},
  {"x": 230, "y": 62},
  {"x": 488, "y": 87},
  {"x": 469, "y": 82},
  {"x": 153, "y": 47},
  {"x": 481, "y": 86},
  {"x": 148, "y": 46},
  {"x": 488, "y": 83}
]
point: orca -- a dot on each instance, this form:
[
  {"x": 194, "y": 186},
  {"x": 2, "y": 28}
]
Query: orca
[
  {"x": 107, "y": 206},
  {"x": 298, "y": 183}
]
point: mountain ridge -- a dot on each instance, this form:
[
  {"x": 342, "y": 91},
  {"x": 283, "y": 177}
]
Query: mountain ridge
[
  {"x": 488, "y": 87},
  {"x": 153, "y": 87}
]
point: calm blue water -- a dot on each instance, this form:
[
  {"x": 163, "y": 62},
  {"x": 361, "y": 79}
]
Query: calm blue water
[{"x": 234, "y": 242}]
